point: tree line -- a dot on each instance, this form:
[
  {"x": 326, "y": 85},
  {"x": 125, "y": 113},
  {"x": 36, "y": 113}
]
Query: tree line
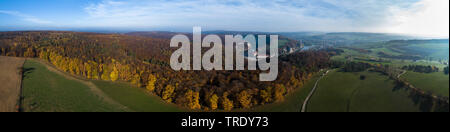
[
  {"x": 446, "y": 70},
  {"x": 356, "y": 67},
  {"x": 421, "y": 69}
]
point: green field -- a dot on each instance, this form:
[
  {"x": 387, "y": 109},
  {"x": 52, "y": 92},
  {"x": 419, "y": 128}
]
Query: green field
[
  {"x": 345, "y": 92},
  {"x": 437, "y": 83},
  {"x": 293, "y": 102},
  {"x": 434, "y": 51},
  {"x": 135, "y": 98},
  {"x": 46, "y": 91}
]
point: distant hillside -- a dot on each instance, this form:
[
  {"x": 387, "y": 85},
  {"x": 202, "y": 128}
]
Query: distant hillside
[
  {"x": 168, "y": 35},
  {"x": 155, "y": 34},
  {"x": 292, "y": 41},
  {"x": 286, "y": 45},
  {"x": 313, "y": 38},
  {"x": 421, "y": 41}
]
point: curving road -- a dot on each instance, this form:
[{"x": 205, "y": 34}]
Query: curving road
[
  {"x": 305, "y": 103},
  {"x": 399, "y": 75}
]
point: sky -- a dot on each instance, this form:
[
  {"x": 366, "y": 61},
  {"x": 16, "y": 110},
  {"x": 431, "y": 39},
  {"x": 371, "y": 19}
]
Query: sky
[{"x": 415, "y": 17}]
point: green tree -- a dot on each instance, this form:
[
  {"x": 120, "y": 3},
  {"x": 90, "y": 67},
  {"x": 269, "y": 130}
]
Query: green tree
[{"x": 446, "y": 70}]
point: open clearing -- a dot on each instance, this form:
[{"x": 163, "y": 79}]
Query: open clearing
[
  {"x": 10, "y": 80},
  {"x": 47, "y": 91},
  {"x": 346, "y": 92}
]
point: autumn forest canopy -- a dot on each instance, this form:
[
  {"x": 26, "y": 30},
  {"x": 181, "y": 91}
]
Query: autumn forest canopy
[{"x": 144, "y": 62}]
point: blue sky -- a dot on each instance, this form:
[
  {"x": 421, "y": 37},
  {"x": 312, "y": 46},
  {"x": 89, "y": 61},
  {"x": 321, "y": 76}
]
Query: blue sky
[{"x": 421, "y": 17}]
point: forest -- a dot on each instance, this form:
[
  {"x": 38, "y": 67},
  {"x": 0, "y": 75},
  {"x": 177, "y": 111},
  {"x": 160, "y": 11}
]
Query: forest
[{"x": 143, "y": 62}]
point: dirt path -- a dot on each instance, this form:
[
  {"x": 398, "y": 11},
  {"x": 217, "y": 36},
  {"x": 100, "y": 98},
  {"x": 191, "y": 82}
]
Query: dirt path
[
  {"x": 91, "y": 85},
  {"x": 305, "y": 103},
  {"x": 10, "y": 83},
  {"x": 401, "y": 74}
]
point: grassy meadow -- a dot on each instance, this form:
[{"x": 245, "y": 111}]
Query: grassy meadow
[
  {"x": 46, "y": 91},
  {"x": 134, "y": 98},
  {"x": 436, "y": 83},
  {"x": 346, "y": 92}
]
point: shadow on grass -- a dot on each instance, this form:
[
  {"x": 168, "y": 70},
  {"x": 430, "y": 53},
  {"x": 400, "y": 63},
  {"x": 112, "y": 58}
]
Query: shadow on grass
[{"x": 26, "y": 71}]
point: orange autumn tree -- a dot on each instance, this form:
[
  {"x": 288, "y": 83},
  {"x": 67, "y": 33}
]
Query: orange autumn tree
[
  {"x": 245, "y": 99},
  {"x": 266, "y": 95},
  {"x": 168, "y": 93},
  {"x": 280, "y": 90},
  {"x": 151, "y": 82},
  {"x": 114, "y": 74},
  {"x": 213, "y": 101},
  {"x": 227, "y": 104},
  {"x": 192, "y": 99},
  {"x": 29, "y": 53}
]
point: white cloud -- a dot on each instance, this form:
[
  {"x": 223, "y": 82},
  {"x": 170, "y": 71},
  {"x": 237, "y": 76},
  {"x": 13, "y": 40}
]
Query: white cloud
[
  {"x": 427, "y": 17},
  {"x": 26, "y": 17},
  {"x": 212, "y": 14}
]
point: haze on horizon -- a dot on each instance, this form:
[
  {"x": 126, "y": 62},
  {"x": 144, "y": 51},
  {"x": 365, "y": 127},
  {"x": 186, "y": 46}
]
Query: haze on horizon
[{"x": 415, "y": 17}]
